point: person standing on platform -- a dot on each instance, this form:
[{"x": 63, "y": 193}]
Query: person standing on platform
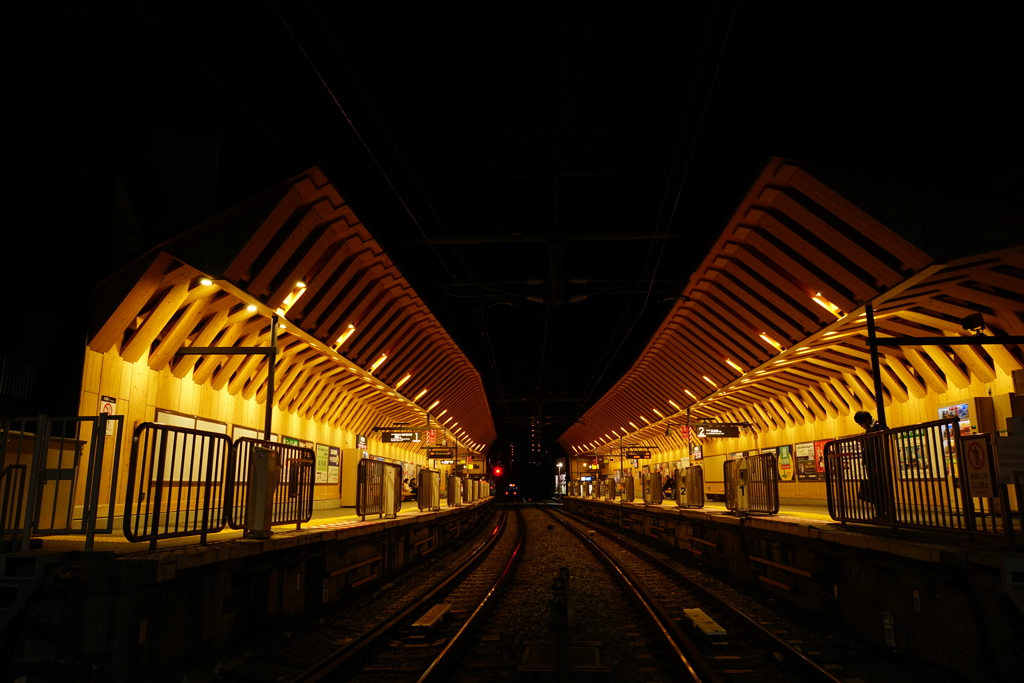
[{"x": 872, "y": 488}]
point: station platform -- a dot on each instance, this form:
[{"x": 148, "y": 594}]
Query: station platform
[
  {"x": 137, "y": 611},
  {"x": 332, "y": 518}
]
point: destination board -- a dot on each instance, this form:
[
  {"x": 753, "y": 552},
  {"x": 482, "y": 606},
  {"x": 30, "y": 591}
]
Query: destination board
[
  {"x": 713, "y": 431},
  {"x": 394, "y": 436}
]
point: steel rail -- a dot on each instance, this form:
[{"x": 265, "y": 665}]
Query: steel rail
[
  {"x": 686, "y": 652},
  {"x": 791, "y": 653},
  {"x": 352, "y": 648},
  {"x": 446, "y": 656}
]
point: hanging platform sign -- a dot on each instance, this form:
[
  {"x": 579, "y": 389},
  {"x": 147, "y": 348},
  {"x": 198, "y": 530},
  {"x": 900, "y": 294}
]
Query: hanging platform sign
[
  {"x": 395, "y": 436},
  {"x": 716, "y": 431},
  {"x": 638, "y": 455},
  {"x": 440, "y": 452}
]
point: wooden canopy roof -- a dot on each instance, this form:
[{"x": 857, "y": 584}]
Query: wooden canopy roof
[
  {"x": 298, "y": 251},
  {"x": 771, "y": 328}
]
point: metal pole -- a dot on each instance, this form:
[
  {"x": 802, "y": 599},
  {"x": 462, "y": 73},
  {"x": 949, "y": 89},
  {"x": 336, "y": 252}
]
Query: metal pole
[
  {"x": 272, "y": 359},
  {"x": 689, "y": 437},
  {"x": 876, "y": 371}
]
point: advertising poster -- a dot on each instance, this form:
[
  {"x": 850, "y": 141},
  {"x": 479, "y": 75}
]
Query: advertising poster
[
  {"x": 960, "y": 412},
  {"x": 917, "y": 459},
  {"x": 322, "y": 456},
  {"x": 697, "y": 452},
  {"x": 333, "y": 464},
  {"x": 806, "y": 462},
  {"x": 787, "y": 466},
  {"x": 819, "y": 457}
]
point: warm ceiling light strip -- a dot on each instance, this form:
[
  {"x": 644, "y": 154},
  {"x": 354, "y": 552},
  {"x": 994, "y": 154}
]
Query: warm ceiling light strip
[
  {"x": 827, "y": 305},
  {"x": 403, "y": 381},
  {"x": 772, "y": 342},
  {"x": 420, "y": 395},
  {"x": 377, "y": 363},
  {"x": 345, "y": 335}
]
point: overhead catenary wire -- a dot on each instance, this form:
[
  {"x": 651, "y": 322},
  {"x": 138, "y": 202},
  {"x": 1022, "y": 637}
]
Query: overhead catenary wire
[
  {"x": 386, "y": 176},
  {"x": 602, "y": 366},
  {"x": 481, "y": 319}
]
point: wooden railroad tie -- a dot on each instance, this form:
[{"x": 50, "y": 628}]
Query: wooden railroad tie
[
  {"x": 434, "y": 616},
  {"x": 704, "y": 622}
]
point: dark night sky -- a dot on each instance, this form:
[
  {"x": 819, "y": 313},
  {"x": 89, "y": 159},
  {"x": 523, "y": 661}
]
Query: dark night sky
[{"x": 525, "y": 139}]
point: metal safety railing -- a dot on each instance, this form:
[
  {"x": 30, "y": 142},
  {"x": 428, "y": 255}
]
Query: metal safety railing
[
  {"x": 56, "y": 480},
  {"x": 652, "y": 488},
  {"x": 176, "y": 483},
  {"x": 628, "y": 495},
  {"x": 689, "y": 490},
  {"x": 12, "y": 488},
  {"x": 454, "y": 490},
  {"x": 378, "y": 489},
  {"x": 293, "y": 494},
  {"x": 428, "y": 493},
  {"x": 911, "y": 476},
  {"x": 752, "y": 484}
]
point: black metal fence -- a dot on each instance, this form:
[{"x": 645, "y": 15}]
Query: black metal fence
[
  {"x": 910, "y": 476},
  {"x": 52, "y": 476},
  {"x": 378, "y": 489},
  {"x": 293, "y": 495},
  {"x": 752, "y": 484},
  {"x": 176, "y": 483}
]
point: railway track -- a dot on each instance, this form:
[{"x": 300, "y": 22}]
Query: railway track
[
  {"x": 579, "y": 603},
  {"x": 720, "y": 640},
  {"x": 419, "y": 640}
]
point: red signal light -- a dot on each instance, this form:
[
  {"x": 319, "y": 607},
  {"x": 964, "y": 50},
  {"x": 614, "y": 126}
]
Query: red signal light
[{"x": 497, "y": 471}]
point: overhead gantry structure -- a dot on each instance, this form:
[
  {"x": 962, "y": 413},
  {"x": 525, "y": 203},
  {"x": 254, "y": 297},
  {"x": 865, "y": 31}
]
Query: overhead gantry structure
[
  {"x": 771, "y": 327},
  {"x": 356, "y": 345}
]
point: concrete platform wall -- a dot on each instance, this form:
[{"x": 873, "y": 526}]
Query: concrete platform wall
[
  {"x": 949, "y": 604},
  {"x": 140, "y": 614}
]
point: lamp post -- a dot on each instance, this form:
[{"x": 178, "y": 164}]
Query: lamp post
[{"x": 559, "y": 465}]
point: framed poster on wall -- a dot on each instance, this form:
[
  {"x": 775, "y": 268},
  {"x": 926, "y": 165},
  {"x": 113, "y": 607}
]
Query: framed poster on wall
[
  {"x": 333, "y": 464},
  {"x": 322, "y": 455}
]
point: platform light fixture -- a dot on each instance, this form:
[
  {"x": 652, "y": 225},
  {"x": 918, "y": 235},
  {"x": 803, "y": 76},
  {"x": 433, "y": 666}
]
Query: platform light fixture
[
  {"x": 827, "y": 305},
  {"x": 734, "y": 366},
  {"x": 674, "y": 405},
  {"x": 206, "y": 282},
  {"x": 710, "y": 381},
  {"x": 419, "y": 395},
  {"x": 633, "y": 425},
  {"x": 645, "y": 419},
  {"x": 251, "y": 308},
  {"x": 771, "y": 342},
  {"x": 403, "y": 381},
  {"x": 690, "y": 394},
  {"x": 450, "y": 418},
  {"x": 377, "y": 363},
  {"x": 345, "y": 335},
  {"x": 658, "y": 413},
  {"x": 439, "y": 415},
  {"x": 433, "y": 405}
]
